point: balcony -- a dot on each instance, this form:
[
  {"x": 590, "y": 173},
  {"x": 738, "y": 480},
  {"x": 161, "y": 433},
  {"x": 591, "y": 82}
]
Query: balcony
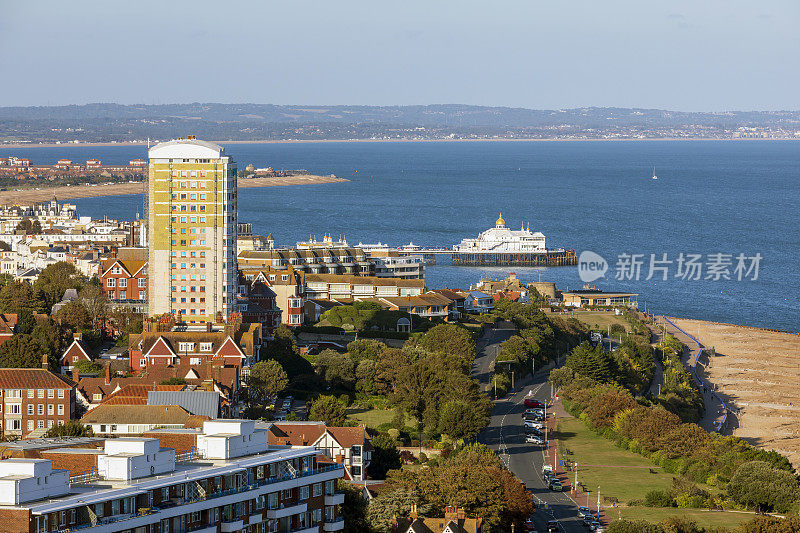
[
  {"x": 289, "y": 510},
  {"x": 336, "y": 525},
  {"x": 337, "y": 498},
  {"x": 203, "y": 529},
  {"x": 233, "y": 525}
]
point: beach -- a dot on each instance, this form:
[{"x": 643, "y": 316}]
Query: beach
[
  {"x": 756, "y": 372},
  {"x": 29, "y": 196}
]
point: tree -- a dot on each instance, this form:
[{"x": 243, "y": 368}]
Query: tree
[
  {"x": 365, "y": 349},
  {"x": 283, "y": 349},
  {"x": 461, "y": 420},
  {"x": 384, "y": 456},
  {"x": 25, "y": 322},
  {"x": 593, "y": 362},
  {"x": 337, "y": 368},
  {"x": 94, "y": 300},
  {"x": 71, "y": 428},
  {"x": 365, "y": 376},
  {"x": 268, "y": 378},
  {"x": 328, "y": 409},
  {"x": 74, "y": 315},
  {"x": 55, "y": 279},
  {"x": 771, "y": 524},
  {"x": 633, "y": 526},
  {"x": 18, "y": 296},
  {"x": 757, "y": 484},
  {"x": 354, "y": 509},
  {"x": 21, "y": 351},
  {"x": 397, "y": 503},
  {"x": 173, "y": 381},
  {"x": 451, "y": 340},
  {"x": 85, "y": 366}
]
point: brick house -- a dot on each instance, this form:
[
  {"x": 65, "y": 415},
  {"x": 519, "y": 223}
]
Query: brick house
[
  {"x": 124, "y": 279},
  {"x": 77, "y": 351},
  {"x": 288, "y": 286},
  {"x": 34, "y": 398},
  {"x": 8, "y": 326}
]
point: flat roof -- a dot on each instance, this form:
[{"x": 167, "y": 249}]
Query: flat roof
[
  {"x": 104, "y": 489},
  {"x": 53, "y": 442}
]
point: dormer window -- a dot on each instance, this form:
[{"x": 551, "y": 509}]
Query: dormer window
[
  {"x": 205, "y": 346},
  {"x": 186, "y": 346}
]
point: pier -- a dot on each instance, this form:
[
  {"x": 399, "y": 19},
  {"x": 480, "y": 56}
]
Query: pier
[{"x": 552, "y": 258}]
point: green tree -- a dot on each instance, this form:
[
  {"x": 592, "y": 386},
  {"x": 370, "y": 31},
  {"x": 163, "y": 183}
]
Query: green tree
[
  {"x": 337, "y": 368},
  {"x": 461, "y": 420},
  {"x": 268, "y": 378},
  {"x": 283, "y": 348},
  {"x": 74, "y": 315},
  {"x": 385, "y": 456},
  {"x": 365, "y": 349},
  {"x": 25, "y": 322},
  {"x": 354, "y": 509},
  {"x": 88, "y": 367},
  {"x": 55, "y": 279},
  {"x": 451, "y": 340},
  {"x": 771, "y": 524},
  {"x": 327, "y": 409},
  {"x": 71, "y": 428},
  {"x": 397, "y": 503},
  {"x": 21, "y": 351},
  {"x": 365, "y": 376},
  {"x": 94, "y": 300},
  {"x": 173, "y": 381},
  {"x": 18, "y": 296},
  {"x": 757, "y": 484}
]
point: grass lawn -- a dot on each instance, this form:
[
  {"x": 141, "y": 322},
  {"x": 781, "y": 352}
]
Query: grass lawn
[
  {"x": 704, "y": 519},
  {"x": 601, "y": 318},
  {"x": 618, "y": 473},
  {"x": 373, "y": 418}
]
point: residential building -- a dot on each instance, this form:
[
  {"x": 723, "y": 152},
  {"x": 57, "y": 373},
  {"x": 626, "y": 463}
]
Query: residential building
[
  {"x": 117, "y": 420},
  {"x": 232, "y": 481},
  {"x": 430, "y": 305},
  {"x": 334, "y": 287},
  {"x": 315, "y": 260},
  {"x": 478, "y": 302},
  {"x": 192, "y": 267},
  {"x": 258, "y": 303},
  {"x": 288, "y": 286},
  {"x": 34, "y": 399},
  {"x": 123, "y": 278},
  {"x": 393, "y": 264},
  {"x": 348, "y": 446},
  {"x": 594, "y": 297},
  {"x": 76, "y": 351},
  {"x": 455, "y": 521},
  {"x": 8, "y": 326},
  {"x": 458, "y": 297}
]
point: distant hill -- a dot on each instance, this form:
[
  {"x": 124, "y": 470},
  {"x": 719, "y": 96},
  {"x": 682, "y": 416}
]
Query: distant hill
[{"x": 113, "y": 122}]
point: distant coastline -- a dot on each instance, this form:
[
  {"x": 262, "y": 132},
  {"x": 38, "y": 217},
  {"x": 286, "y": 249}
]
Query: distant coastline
[
  {"x": 29, "y": 196},
  {"x": 309, "y": 141}
]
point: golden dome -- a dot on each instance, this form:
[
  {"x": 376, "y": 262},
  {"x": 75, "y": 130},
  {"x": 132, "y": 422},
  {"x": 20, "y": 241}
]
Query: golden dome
[{"x": 500, "y": 221}]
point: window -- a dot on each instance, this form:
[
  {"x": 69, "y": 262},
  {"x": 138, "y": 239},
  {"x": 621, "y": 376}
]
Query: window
[
  {"x": 30, "y": 425},
  {"x": 123, "y": 282},
  {"x": 142, "y": 282},
  {"x": 317, "y": 488},
  {"x": 303, "y": 492},
  {"x": 40, "y": 409},
  {"x": 50, "y": 409},
  {"x": 31, "y": 393},
  {"x": 194, "y": 361},
  {"x": 185, "y": 346},
  {"x": 111, "y": 282},
  {"x": 61, "y": 409},
  {"x": 272, "y": 500},
  {"x": 60, "y": 393},
  {"x": 205, "y": 346},
  {"x": 30, "y": 408},
  {"x": 97, "y": 397},
  {"x": 40, "y": 393},
  {"x": 40, "y": 424}
]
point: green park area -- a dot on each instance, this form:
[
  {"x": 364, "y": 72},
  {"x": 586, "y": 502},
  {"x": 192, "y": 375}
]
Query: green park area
[
  {"x": 703, "y": 518},
  {"x": 601, "y": 319},
  {"x": 619, "y": 473}
]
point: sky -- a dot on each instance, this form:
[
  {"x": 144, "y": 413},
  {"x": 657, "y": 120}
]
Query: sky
[{"x": 688, "y": 55}]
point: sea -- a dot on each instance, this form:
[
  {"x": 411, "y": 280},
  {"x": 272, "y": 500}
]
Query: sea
[{"x": 732, "y": 208}]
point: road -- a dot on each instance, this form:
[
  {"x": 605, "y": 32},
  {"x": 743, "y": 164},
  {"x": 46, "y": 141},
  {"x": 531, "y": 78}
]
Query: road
[{"x": 506, "y": 436}]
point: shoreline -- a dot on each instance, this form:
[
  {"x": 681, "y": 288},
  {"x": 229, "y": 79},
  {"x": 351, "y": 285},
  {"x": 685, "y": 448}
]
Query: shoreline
[
  {"x": 29, "y": 196},
  {"x": 313, "y": 141}
]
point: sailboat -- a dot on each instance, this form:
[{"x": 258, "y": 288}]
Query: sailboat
[{"x": 654, "y": 174}]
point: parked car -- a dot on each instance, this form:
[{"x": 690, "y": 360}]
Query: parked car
[
  {"x": 553, "y": 526},
  {"x": 583, "y": 512},
  {"x": 530, "y": 524},
  {"x": 534, "y": 411},
  {"x": 535, "y": 418},
  {"x": 533, "y": 402},
  {"x": 533, "y": 424},
  {"x": 555, "y": 485},
  {"x": 534, "y": 439}
]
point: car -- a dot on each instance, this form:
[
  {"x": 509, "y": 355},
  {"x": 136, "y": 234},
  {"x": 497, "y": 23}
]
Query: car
[
  {"x": 530, "y": 524},
  {"x": 583, "y": 512},
  {"x": 535, "y": 418},
  {"x": 555, "y": 485},
  {"x": 534, "y": 439},
  {"x": 532, "y": 402},
  {"x": 533, "y": 424},
  {"x": 534, "y": 411},
  {"x": 553, "y": 526}
]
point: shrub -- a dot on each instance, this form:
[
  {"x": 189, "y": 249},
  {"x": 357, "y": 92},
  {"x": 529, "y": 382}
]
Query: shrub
[{"x": 658, "y": 498}]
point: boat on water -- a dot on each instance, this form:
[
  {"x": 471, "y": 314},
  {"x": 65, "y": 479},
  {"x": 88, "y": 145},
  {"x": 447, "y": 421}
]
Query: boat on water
[{"x": 654, "y": 174}]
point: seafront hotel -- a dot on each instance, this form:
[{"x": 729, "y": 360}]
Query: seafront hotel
[
  {"x": 192, "y": 217},
  {"x": 230, "y": 481}
]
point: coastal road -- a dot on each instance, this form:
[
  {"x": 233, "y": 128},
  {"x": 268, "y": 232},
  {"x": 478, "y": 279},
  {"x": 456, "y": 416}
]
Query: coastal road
[
  {"x": 488, "y": 347},
  {"x": 506, "y": 435}
]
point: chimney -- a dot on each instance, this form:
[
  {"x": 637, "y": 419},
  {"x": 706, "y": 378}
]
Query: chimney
[
  {"x": 75, "y": 374},
  {"x": 45, "y": 365},
  {"x": 413, "y": 514},
  {"x": 108, "y": 373},
  {"x": 78, "y": 335},
  {"x": 209, "y": 327}
]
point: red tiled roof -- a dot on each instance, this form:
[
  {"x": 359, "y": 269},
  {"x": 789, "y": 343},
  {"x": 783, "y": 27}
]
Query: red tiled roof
[
  {"x": 76, "y": 348},
  {"x": 295, "y": 434},
  {"x": 32, "y": 378},
  {"x": 348, "y": 437}
]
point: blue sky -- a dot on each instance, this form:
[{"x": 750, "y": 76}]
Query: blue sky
[{"x": 693, "y": 55}]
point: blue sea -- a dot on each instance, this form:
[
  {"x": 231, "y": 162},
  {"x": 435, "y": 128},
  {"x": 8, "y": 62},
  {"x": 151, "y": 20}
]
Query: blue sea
[{"x": 710, "y": 198}]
